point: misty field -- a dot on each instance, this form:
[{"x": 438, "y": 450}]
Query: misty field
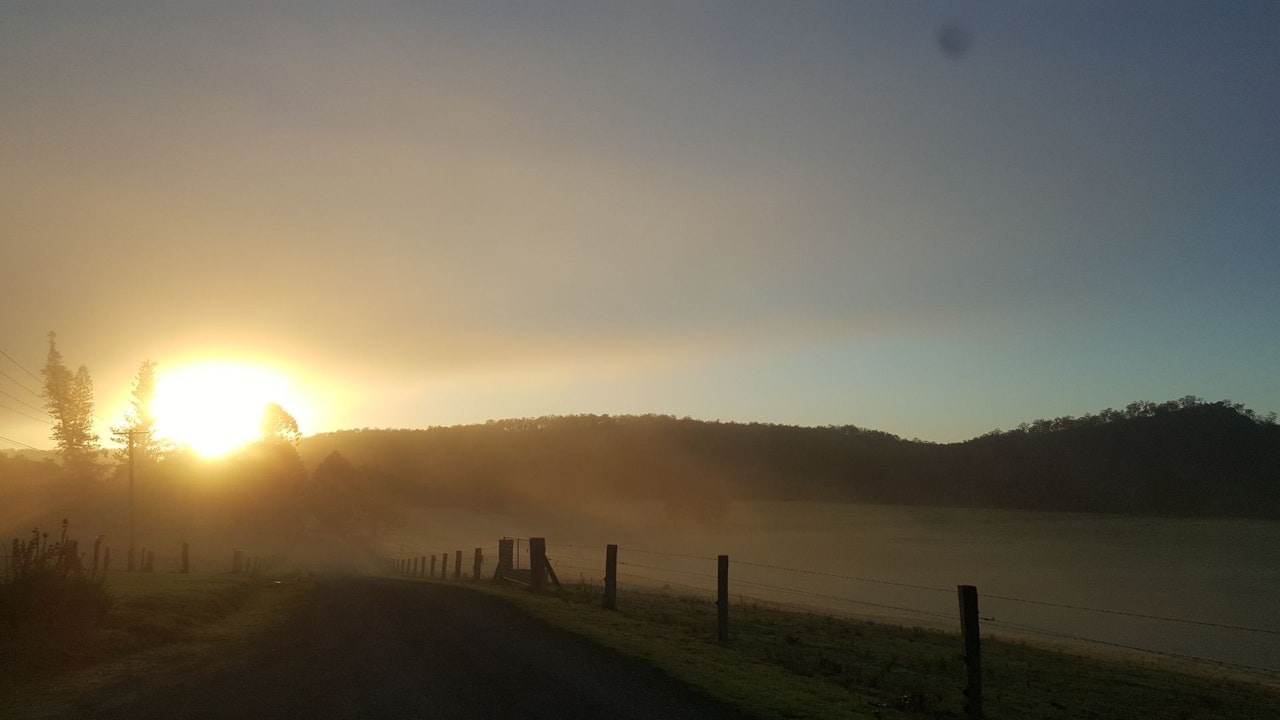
[{"x": 1168, "y": 589}]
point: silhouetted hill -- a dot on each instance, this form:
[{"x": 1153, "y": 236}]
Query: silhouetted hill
[{"x": 1185, "y": 457}]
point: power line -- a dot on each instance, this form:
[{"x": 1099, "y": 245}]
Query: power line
[
  {"x": 21, "y": 444},
  {"x": 15, "y": 362},
  {"x": 19, "y": 384},
  {"x": 20, "y": 402},
  {"x": 29, "y": 417}
]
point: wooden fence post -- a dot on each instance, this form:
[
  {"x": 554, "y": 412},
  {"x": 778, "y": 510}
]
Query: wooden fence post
[
  {"x": 457, "y": 566},
  {"x": 537, "y": 563},
  {"x": 433, "y": 566},
  {"x": 475, "y": 569},
  {"x": 444, "y": 566},
  {"x": 186, "y": 559},
  {"x": 722, "y": 598},
  {"x": 610, "y": 577},
  {"x": 505, "y": 554},
  {"x": 972, "y": 650}
]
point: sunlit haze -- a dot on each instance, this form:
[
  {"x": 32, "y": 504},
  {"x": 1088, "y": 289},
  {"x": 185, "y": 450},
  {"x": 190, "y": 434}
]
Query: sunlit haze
[
  {"x": 821, "y": 213},
  {"x": 214, "y": 407}
]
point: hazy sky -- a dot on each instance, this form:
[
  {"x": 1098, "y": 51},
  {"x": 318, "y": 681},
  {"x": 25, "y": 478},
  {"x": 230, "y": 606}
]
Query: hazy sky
[{"x": 794, "y": 212}]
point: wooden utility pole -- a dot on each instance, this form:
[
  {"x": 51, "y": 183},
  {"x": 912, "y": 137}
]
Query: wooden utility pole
[{"x": 131, "y": 433}]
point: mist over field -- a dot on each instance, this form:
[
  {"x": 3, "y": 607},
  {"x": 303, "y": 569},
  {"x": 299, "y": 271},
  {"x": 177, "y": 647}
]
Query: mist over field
[
  {"x": 843, "y": 520},
  {"x": 840, "y": 290}
]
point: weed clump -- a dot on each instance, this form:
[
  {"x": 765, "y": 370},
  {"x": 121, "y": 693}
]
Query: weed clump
[{"x": 46, "y": 590}]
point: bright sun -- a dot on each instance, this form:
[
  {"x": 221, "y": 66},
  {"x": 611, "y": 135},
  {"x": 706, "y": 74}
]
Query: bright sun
[{"x": 215, "y": 407}]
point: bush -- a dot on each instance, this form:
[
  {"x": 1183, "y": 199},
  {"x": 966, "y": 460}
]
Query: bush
[{"x": 47, "y": 589}]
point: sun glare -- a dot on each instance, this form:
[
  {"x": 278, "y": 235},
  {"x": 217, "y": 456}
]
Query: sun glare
[{"x": 216, "y": 407}]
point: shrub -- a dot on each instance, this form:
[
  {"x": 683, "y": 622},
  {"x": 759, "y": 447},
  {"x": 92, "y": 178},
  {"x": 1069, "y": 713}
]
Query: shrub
[{"x": 46, "y": 588}]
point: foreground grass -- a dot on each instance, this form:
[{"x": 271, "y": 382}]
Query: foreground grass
[
  {"x": 787, "y": 664},
  {"x": 150, "y": 610}
]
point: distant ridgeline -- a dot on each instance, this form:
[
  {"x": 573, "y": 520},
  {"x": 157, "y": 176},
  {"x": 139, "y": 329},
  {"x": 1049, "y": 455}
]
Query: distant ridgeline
[{"x": 1184, "y": 457}]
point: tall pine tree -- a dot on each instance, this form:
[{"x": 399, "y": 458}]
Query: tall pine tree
[{"x": 69, "y": 398}]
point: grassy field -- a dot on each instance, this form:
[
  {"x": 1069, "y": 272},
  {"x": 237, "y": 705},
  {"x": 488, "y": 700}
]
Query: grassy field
[
  {"x": 778, "y": 663},
  {"x": 149, "y": 610},
  {"x": 786, "y": 664}
]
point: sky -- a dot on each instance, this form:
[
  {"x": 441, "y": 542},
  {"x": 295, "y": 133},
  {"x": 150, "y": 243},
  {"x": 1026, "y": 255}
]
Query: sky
[{"x": 929, "y": 218}]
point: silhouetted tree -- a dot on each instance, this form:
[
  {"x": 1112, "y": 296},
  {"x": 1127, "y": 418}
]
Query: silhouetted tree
[
  {"x": 69, "y": 398},
  {"x": 278, "y": 425},
  {"x": 139, "y": 419}
]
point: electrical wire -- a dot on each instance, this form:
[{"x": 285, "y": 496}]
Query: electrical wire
[
  {"x": 20, "y": 444},
  {"x": 19, "y": 384},
  {"x": 20, "y": 401},
  {"x": 25, "y": 415},
  {"x": 15, "y": 362}
]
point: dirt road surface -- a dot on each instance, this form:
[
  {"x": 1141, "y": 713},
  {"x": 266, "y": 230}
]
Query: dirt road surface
[{"x": 388, "y": 648}]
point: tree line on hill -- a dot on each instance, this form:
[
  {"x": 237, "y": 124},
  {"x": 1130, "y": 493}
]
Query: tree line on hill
[
  {"x": 1186, "y": 457},
  {"x": 1182, "y": 458}
]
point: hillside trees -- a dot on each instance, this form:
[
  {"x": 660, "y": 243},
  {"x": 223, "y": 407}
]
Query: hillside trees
[
  {"x": 1183, "y": 457},
  {"x": 69, "y": 399},
  {"x": 351, "y": 501}
]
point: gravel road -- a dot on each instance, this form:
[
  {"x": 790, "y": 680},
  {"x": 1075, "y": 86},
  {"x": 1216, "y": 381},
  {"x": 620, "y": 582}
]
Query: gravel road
[{"x": 388, "y": 648}]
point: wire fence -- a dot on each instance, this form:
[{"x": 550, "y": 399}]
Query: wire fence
[{"x": 1218, "y": 642}]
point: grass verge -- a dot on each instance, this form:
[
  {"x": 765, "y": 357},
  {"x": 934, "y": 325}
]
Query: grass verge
[
  {"x": 149, "y": 611},
  {"x": 781, "y": 663}
]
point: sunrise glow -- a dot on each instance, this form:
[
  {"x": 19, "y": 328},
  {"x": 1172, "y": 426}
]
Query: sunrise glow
[{"x": 215, "y": 407}]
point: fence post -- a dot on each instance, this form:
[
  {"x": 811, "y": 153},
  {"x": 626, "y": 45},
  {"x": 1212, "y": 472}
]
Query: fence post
[
  {"x": 457, "y": 566},
  {"x": 972, "y": 650},
  {"x": 610, "y": 577},
  {"x": 537, "y": 563},
  {"x": 433, "y": 566},
  {"x": 444, "y": 566},
  {"x": 722, "y": 598},
  {"x": 505, "y": 554},
  {"x": 186, "y": 558},
  {"x": 475, "y": 570}
]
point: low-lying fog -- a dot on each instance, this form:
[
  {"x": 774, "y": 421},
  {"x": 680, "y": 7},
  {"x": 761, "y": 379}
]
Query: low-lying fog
[{"x": 1224, "y": 572}]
